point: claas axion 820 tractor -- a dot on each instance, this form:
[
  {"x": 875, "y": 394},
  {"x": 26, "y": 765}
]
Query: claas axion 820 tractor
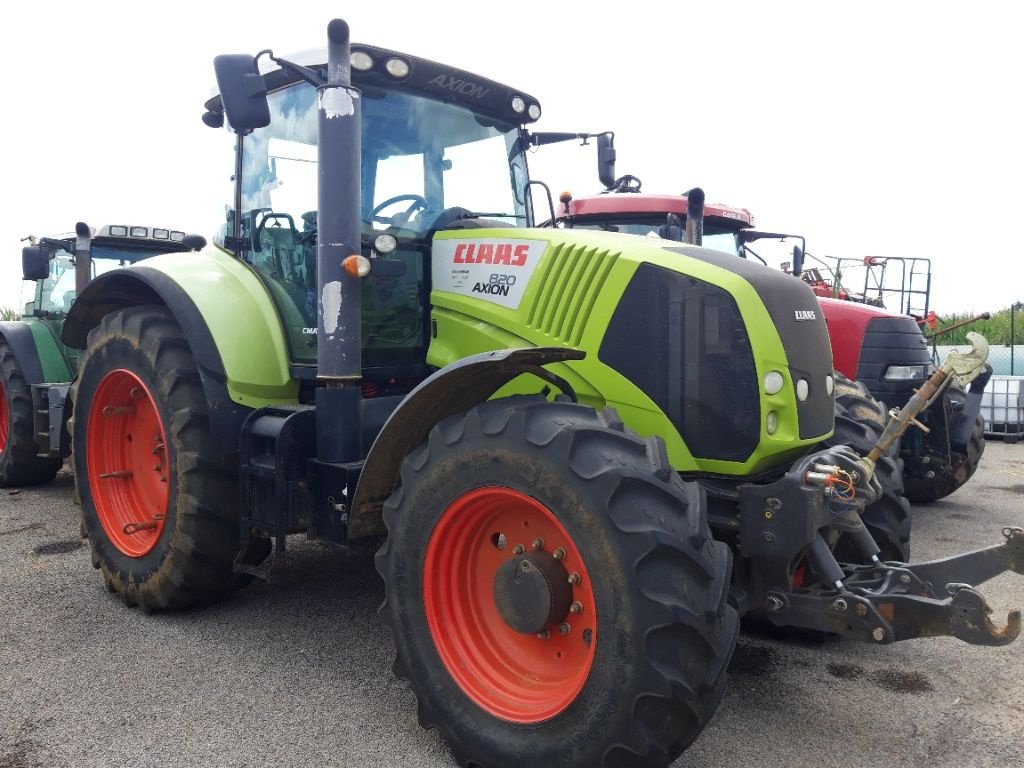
[{"x": 382, "y": 352}]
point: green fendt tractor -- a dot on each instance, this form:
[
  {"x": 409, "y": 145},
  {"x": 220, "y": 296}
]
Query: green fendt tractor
[
  {"x": 382, "y": 352},
  {"x": 35, "y": 367}
]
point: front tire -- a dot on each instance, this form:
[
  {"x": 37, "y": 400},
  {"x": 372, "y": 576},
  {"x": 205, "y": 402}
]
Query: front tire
[
  {"x": 20, "y": 462},
  {"x": 159, "y": 510},
  {"x": 961, "y": 467},
  {"x": 633, "y": 669},
  {"x": 860, "y": 419}
]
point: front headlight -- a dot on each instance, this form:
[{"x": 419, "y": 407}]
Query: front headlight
[{"x": 904, "y": 373}]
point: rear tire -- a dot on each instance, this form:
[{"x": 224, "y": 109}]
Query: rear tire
[
  {"x": 139, "y": 408},
  {"x": 860, "y": 420},
  {"x": 641, "y": 669},
  {"x": 20, "y": 462},
  {"x": 962, "y": 465}
]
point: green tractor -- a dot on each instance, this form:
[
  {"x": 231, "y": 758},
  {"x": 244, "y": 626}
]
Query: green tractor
[
  {"x": 35, "y": 367},
  {"x": 581, "y": 457}
]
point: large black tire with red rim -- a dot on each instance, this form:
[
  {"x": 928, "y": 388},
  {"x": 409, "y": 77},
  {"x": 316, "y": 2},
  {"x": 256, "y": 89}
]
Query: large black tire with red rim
[
  {"x": 553, "y": 590},
  {"x": 860, "y": 419},
  {"x": 160, "y": 513},
  {"x": 20, "y": 463}
]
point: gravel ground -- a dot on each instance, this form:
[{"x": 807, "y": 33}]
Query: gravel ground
[{"x": 297, "y": 673}]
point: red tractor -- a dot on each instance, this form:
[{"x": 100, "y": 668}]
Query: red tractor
[{"x": 882, "y": 353}]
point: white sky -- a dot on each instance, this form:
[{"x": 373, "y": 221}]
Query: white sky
[{"x": 878, "y": 128}]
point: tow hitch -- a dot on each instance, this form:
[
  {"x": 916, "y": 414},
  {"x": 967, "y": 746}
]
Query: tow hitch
[
  {"x": 888, "y": 602},
  {"x": 821, "y": 497}
]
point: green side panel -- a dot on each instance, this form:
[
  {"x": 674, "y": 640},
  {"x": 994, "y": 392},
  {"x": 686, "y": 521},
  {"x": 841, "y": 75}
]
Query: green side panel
[
  {"x": 569, "y": 300},
  {"x": 243, "y": 322},
  {"x": 56, "y": 366}
]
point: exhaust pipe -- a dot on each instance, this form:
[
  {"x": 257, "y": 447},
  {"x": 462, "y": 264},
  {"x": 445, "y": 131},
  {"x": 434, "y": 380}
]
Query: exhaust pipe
[
  {"x": 695, "y": 216},
  {"x": 339, "y": 294},
  {"x": 83, "y": 256}
]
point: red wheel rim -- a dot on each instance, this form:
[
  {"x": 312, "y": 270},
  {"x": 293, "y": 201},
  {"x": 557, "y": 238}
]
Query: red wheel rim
[
  {"x": 126, "y": 460},
  {"x": 521, "y": 678},
  {"x": 5, "y": 418}
]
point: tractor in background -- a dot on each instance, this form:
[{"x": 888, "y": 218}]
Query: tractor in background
[
  {"x": 880, "y": 356},
  {"x": 35, "y": 367},
  {"x": 528, "y": 425}
]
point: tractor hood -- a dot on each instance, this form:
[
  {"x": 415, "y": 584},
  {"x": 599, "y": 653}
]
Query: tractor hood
[{"x": 679, "y": 339}]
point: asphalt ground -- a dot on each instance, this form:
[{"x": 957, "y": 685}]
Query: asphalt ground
[{"x": 297, "y": 672}]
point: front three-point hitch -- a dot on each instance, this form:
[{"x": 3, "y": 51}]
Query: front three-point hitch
[{"x": 788, "y": 529}]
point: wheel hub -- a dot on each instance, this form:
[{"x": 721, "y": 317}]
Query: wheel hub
[{"x": 532, "y": 592}]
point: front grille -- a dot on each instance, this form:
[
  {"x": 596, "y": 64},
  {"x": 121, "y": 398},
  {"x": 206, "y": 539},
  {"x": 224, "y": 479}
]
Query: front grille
[
  {"x": 683, "y": 342},
  {"x": 798, "y": 321},
  {"x": 891, "y": 341}
]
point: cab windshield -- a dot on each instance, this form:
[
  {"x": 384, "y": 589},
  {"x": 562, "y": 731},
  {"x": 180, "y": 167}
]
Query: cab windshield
[
  {"x": 426, "y": 166},
  {"x": 716, "y": 237},
  {"x": 56, "y": 293}
]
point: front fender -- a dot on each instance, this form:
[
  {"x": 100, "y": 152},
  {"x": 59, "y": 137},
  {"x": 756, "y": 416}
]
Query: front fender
[{"x": 453, "y": 389}]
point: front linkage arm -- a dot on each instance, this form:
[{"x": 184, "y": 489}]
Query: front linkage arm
[
  {"x": 888, "y": 602},
  {"x": 796, "y": 518}
]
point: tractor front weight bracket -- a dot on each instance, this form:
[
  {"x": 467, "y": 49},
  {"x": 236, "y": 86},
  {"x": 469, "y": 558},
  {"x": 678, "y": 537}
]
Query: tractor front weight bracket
[{"x": 889, "y": 602}]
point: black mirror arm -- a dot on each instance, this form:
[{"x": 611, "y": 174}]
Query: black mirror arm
[{"x": 311, "y": 76}]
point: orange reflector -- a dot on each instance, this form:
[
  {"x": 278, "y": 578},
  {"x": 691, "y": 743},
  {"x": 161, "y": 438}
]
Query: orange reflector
[{"x": 356, "y": 265}]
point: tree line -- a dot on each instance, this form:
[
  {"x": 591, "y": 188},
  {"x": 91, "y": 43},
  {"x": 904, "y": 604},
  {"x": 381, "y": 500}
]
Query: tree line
[{"x": 996, "y": 329}]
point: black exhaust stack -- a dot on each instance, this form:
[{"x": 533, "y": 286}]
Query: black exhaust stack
[
  {"x": 339, "y": 333},
  {"x": 83, "y": 256},
  {"x": 695, "y": 216}
]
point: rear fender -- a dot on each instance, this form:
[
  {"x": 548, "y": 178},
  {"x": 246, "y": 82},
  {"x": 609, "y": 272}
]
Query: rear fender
[
  {"x": 227, "y": 316},
  {"x": 453, "y": 389},
  {"x": 38, "y": 353}
]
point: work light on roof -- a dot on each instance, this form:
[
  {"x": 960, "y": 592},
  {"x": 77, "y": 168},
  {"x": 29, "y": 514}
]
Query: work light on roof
[
  {"x": 139, "y": 232},
  {"x": 361, "y": 60},
  {"x": 534, "y": 111},
  {"x": 518, "y": 105},
  {"x": 161, "y": 234},
  {"x": 177, "y": 236},
  {"x": 397, "y": 68},
  {"x": 118, "y": 231}
]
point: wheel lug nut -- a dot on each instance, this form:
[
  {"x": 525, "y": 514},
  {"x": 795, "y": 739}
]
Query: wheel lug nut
[
  {"x": 564, "y": 628},
  {"x": 576, "y": 607},
  {"x": 574, "y": 578},
  {"x": 538, "y": 544},
  {"x": 518, "y": 549},
  {"x": 544, "y": 634},
  {"x": 558, "y": 554}
]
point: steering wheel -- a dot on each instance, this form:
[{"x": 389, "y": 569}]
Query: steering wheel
[{"x": 417, "y": 203}]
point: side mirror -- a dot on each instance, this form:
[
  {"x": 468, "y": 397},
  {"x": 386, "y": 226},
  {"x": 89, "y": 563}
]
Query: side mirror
[
  {"x": 242, "y": 92},
  {"x": 606, "y": 159},
  {"x": 672, "y": 229},
  {"x": 798, "y": 260},
  {"x": 35, "y": 262}
]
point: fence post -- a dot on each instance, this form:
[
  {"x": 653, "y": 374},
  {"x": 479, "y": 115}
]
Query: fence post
[{"x": 1013, "y": 340}]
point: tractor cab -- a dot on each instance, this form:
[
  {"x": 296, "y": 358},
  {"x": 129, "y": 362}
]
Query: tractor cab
[
  {"x": 55, "y": 269},
  {"x": 50, "y": 262},
  {"x": 438, "y": 151}
]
